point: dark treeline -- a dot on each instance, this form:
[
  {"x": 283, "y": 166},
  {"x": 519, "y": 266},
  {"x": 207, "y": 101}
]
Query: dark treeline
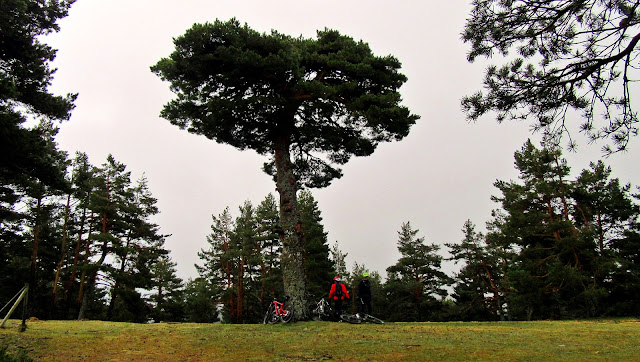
[
  {"x": 87, "y": 249},
  {"x": 557, "y": 247}
]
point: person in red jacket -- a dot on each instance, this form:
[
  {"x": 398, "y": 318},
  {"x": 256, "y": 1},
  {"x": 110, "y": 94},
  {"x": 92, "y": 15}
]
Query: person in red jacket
[{"x": 338, "y": 293}]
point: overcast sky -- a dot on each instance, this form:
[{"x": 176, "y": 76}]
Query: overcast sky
[{"x": 436, "y": 178}]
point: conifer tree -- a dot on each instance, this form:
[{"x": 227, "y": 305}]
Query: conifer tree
[
  {"x": 479, "y": 291},
  {"x": 219, "y": 264},
  {"x": 561, "y": 234},
  {"x": 200, "y": 301},
  {"x": 560, "y": 56},
  {"x": 339, "y": 263},
  {"x": 415, "y": 280},
  {"x": 318, "y": 267},
  {"x": 29, "y": 159},
  {"x": 308, "y": 104},
  {"x": 166, "y": 291},
  {"x": 267, "y": 233},
  {"x": 248, "y": 261}
]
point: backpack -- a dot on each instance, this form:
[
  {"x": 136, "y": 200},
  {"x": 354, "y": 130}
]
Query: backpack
[{"x": 338, "y": 293}]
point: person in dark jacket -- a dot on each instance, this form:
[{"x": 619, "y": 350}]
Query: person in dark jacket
[
  {"x": 364, "y": 293},
  {"x": 338, "y": 293}
]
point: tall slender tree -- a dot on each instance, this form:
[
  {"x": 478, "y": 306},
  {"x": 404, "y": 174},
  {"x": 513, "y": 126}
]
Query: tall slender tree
[
  {"x": 317, "y": 265},
  {"x": 479, "y": 291},
  {"x": 166, "y": 291},
  {"x": 416, "y": 278},
  {"x": 268, "y": 224},
  {"x": 309, "y": 104},
  {"x": 218, "y": 268}
]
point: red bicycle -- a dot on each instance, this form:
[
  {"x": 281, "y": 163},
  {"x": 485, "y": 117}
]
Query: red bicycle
[{"x": 276, "y": 313}]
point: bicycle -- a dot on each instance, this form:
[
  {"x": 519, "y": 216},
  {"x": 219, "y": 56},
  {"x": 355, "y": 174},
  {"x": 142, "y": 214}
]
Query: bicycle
[
  {"x": 322, "y": 311},
  {"x": 276, "y": 312},
  {"x": 368, "y": 317},
  {"x": 371, "y": 319}
]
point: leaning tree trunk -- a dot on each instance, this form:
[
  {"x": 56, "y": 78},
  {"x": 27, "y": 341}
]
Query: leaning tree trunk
[{"x": 291, "y": 237}]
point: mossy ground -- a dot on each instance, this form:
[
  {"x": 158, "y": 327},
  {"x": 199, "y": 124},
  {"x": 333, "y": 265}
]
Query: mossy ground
[{"x": 111, "y": 341}]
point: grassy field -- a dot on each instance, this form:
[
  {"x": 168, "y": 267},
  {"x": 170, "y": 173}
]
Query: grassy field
[{"x": 617, "y": 340}]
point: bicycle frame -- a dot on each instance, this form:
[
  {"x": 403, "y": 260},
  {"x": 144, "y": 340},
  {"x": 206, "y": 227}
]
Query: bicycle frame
[
  {"x": 322, "y": 306},
  {"x": 322, "y": 310},
  {"x": 279, "y": 308},
  {"x": 276, "y": 313}
]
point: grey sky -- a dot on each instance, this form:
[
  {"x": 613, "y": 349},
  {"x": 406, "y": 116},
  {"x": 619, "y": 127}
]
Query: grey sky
[{"x": 436, "y": 178}]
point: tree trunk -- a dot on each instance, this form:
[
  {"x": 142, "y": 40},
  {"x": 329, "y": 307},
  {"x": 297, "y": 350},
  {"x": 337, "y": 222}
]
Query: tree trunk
[
  {"x": 90, "y": 285},
  {"x": 115, "y": 291},
  {"x": 92, "y": 280},
  {"x": 34, "y": 254},
  {"x": 240, "y": 289},
  {"x": 76, "y": 258},
  {"x": 63, "y": 255},
  {"x": 291, "y": 237}
]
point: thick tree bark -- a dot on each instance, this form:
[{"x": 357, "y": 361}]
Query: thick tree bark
[{"x": 292, "y": 237}]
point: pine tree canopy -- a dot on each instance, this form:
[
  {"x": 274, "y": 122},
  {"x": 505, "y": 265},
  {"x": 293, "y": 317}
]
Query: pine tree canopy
[
  {"x": 586, "y": 54},
  {"x": 326, "y": 98}
]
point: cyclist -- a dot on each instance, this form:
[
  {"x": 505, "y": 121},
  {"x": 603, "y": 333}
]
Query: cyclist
[
  {"x": 364, "y": 293},
  {"x": 338, "y": 293}
]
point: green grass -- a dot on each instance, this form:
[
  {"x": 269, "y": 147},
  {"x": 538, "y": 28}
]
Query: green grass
[{"x": 108, "y": 341}]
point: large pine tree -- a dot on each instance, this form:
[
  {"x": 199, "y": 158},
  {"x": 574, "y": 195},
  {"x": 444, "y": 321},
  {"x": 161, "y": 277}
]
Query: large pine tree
[{"x": 309, "y": 104}]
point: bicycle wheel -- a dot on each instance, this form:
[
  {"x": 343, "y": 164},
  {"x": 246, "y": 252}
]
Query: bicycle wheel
[
  {"x": 286, "y": 317},
  {"x": 267, "y": 316},
  {"x": 273, "y": 318},
  {"x": 350, "y": 318},
  {"x": 372, "y": 319}
]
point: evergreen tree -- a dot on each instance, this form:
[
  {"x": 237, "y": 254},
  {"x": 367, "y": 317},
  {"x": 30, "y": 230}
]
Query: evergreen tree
[
  {"x": 248, "y": 261},
  {"x": 107, "y": 202},
  {"x": 562, "y": 235},
  {"x": 38, "y": 227},
  {"x": 606, "y": 212},
  {"x": 141, "y": 246},
  {"x": 79, "y": 229},
  {"x": 479, "y": 292},
  {"x": 338, "y": 259},
  {"x": 200, "y": 301},
  {"x": 30, "y": 164},
  {"x": 585, "y": 52},
  {"x": 538, "y": 222},
  {"x": 318, "y": 267},
  {"x": 219, "y": 265},
  {"x": 268, "y": 234},
  {"x": 308, "y": 104},
  {"x": 166, "y": 292},
  {"x": 623, "y": 285},
  {"x": 24, "y": 96},
  {"x": 415, "y": 280}
]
